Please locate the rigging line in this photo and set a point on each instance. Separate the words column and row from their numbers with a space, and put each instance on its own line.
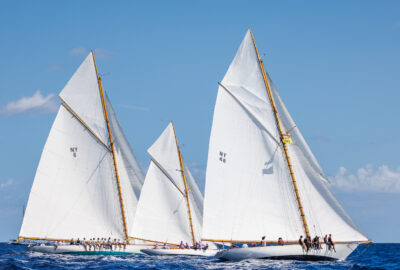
column 248, row 111
column 290, row 122
column 121, row 202
column 74, row 114
column 281, row 137
column 185, row 184
column 166, row 174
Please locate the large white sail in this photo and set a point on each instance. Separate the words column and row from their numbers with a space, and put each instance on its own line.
column 74, row 193
column 249, row 191
column 162, row 212
column 323, row 213
column 246, row 171
column 81, row 93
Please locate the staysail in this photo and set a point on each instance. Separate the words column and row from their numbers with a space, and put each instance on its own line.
column 163, row 210
column 249, row 189
column 323, row 212
column 75, row 192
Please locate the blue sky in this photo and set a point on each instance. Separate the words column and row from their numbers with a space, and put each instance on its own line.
column 336, row 65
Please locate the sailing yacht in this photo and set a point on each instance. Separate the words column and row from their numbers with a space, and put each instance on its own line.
column 262, row 178
column 88, row 181
column 170, row 207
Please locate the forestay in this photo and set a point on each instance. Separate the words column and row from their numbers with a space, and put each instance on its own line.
column 74, row 193
column 162, row 213
column 249, row 192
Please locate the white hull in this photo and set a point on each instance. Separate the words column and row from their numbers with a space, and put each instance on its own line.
column 294, row 252
column 80, row 250
column 180, row 252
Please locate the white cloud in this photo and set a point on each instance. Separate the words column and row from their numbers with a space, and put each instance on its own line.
column 8, row 183
column 78, row 51
column 34, row 104
column 104, row 54
column 55, row 67
column 382, row 179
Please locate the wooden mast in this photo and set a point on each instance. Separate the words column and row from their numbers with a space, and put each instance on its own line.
column 186, row 190
column 121, row 202
column 303, row 218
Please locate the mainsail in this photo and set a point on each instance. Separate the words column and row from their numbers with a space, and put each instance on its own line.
column 250, row 191
column 164, row 213
column 75, row 192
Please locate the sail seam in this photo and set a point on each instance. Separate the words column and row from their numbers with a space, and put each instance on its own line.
column 74, row 114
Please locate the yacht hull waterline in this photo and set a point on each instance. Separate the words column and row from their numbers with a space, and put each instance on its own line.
column 81, row 250
column 288, row 252
column 180, row 252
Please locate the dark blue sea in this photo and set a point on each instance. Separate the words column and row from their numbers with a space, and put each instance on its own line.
column 373, row 256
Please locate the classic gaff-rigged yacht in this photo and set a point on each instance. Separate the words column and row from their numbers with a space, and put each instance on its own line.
column 170, row 206
column 88, row 181
column 262, row 178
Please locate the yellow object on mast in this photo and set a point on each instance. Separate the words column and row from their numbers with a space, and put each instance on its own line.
column 282, row 138
column 112, row 149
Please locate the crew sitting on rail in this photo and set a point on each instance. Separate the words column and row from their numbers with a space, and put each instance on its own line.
column 124, row 243
column 316, row 243
column 307, row 243
column 205, row 247
column 181, row 245
column 187, row 246
column 301, row 242
column 233, row 246
column 263, row 241
column 330, row 243
column 280, row 241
